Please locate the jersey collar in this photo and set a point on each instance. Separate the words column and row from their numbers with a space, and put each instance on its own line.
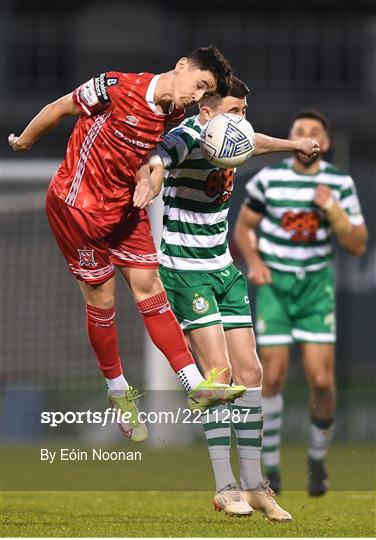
column 150, row 97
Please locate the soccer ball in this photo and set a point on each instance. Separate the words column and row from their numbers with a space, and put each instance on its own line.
column 227, row 140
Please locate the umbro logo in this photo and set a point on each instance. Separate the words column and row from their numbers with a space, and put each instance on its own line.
column 132, row 120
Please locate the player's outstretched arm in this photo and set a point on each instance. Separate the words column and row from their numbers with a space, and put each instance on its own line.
column 267, row 145
column 353, row 238
column 44, row 121
column 246, row 240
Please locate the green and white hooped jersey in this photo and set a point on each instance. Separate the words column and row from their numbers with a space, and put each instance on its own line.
column 294, row 234
column 197, row 198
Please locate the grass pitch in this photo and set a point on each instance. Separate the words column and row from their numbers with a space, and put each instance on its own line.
column 178, row 506
column 185, row 514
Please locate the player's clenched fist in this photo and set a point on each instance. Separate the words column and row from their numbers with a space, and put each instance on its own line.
column 16, row 144
column 323, row 195
column 259, row 274
column 307, row 146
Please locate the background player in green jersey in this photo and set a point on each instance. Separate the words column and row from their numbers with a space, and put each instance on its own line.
column 210, row 299
column 298, row 204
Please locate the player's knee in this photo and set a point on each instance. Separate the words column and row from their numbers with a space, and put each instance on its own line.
column 274, row 372
column 322, row 381
column 272, row 383
column 147, row 285
column 100, row 297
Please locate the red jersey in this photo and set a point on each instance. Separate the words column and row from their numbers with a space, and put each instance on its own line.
column 119, row 124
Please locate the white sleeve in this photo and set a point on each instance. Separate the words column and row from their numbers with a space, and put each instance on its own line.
column 255, row 187
column 349, row 201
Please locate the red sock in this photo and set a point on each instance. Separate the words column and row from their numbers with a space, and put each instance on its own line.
column 101, row 330
column 165, row 331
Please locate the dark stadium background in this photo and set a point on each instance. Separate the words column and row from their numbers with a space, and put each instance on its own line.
column 290, row 57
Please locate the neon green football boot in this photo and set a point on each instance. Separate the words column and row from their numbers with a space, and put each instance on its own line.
column 132, row 429
column 209, row 393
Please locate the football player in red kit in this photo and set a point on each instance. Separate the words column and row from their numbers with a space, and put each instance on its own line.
column 96, row 209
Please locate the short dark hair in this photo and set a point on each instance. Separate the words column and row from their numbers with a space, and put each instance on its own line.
column 238, row 89
column 211, row 59
column 311, row 113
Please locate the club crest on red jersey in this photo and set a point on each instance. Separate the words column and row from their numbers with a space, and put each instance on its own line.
column 87, row 257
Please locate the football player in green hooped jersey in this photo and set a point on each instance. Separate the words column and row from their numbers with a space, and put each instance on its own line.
column 210, row 299
column 298, row 205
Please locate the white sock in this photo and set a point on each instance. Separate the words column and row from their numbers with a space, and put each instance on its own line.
column 319, row 439
column 218, row 436
column 117, row 385
column 190, row 376
column 273, row 410
column 223, row 474
column 249, row 436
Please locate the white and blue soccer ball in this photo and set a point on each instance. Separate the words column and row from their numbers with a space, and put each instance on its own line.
column 227, row 140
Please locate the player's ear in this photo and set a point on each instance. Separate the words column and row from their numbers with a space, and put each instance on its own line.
column 180, row 64
column 206, row 112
